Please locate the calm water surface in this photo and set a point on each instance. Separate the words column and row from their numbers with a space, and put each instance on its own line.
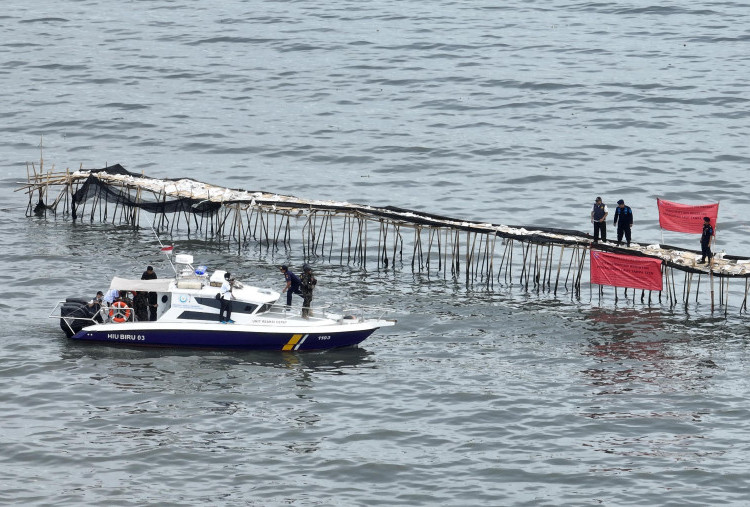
column 517, row 113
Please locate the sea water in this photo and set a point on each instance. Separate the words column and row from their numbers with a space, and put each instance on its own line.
column 517, row 113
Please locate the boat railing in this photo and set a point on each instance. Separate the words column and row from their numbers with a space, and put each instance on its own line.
column 333, row 311
column 105, row 313
column 68, row 319
column 365, row 312
column 317, row 312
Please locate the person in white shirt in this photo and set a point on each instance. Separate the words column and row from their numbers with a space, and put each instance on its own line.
column 110, row 296
column 226, row 300
column 96, row 306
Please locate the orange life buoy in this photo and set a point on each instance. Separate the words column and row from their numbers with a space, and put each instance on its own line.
column 119, row 311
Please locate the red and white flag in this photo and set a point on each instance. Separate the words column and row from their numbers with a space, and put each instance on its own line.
column 619, row 270
column 167, row 249
column 677, row 217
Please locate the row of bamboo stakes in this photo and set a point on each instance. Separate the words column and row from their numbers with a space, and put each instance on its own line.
column 475, row 257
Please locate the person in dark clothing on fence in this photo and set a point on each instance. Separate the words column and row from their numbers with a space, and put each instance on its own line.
column 292, row 284
column 623, row 221
column 150, row 274
column 708, row 233
column 307, row 282
column 599, row 218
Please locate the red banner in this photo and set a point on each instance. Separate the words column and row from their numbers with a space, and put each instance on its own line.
column 674, row 216
column 619, row 270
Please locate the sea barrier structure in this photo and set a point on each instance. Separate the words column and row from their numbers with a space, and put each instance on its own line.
column 544, row 260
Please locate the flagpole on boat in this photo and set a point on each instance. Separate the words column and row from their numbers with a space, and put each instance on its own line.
column 166, row 250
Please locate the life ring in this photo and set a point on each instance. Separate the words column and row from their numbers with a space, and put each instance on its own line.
column 119, row 312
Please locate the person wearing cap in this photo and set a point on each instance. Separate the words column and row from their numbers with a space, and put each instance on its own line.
column 95, row 306
column 599, row 218
column 307, row 282
column 623, row 221
column 708, row 233
column 226, row 300
column 97, row 300
column 292, row 284
column 150, row 274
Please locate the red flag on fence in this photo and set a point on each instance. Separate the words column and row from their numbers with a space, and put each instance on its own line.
column 621, row 270
column 674, row 216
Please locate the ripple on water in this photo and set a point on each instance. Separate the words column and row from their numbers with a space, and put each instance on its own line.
column 513, row 114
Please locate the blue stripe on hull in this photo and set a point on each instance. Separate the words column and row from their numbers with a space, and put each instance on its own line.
column 227, row 340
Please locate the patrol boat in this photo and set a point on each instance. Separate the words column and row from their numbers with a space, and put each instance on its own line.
column 188, row 316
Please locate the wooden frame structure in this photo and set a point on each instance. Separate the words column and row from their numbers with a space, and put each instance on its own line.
column 541, row 260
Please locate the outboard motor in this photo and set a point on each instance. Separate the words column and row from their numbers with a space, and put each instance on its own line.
column 77, row 315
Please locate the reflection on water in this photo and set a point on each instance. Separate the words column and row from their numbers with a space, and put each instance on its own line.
column 633, row 348
column 336, row 361
column 494, row 398
column 638, row 358
column 219, row 402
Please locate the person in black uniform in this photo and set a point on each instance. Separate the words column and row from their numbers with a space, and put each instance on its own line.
column 307, row 283
column 140, row 305
column 150, row 274
column 708, row 232
column 623, row 221
column 292, row 284
column 599, row 218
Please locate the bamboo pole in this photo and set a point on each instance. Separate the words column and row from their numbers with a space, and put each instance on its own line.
column 711, row 278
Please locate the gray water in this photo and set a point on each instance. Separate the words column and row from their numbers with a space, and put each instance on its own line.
column 513, row 112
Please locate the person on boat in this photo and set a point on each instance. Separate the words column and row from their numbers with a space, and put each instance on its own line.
column 623, row 221
column 708, row 232
column 292, row 284
column 599, row 218
column 150, row 274
column 307, row 283
column 95, row 306
column 125, row 298
column 111, row 296
column 140, row 305
column 226, row 300
column 97, row 301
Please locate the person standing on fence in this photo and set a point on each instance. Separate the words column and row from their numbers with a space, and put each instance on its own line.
column 307, row 283
column 292, row 284
column 623, row 221
column 708, row 233
column 599, row 218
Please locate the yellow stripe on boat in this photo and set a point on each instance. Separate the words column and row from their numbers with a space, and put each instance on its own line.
column 292, row 342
